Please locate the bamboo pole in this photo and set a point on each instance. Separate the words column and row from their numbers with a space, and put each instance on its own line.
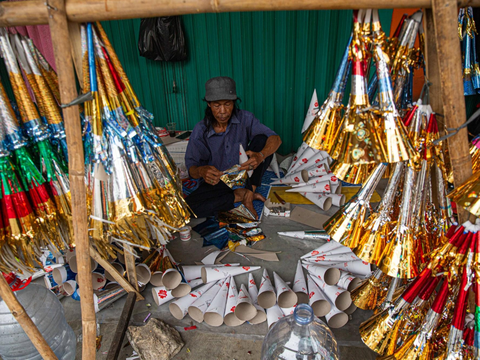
column 63, row 59
column 33, row 12
column 19, row 313
column 450, row 68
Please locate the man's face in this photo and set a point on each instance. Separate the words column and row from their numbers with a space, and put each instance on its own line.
column 222, row 110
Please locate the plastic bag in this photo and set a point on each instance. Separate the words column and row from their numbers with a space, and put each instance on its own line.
column 162, row 39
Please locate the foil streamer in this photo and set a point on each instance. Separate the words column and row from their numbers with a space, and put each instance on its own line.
column 234, row 178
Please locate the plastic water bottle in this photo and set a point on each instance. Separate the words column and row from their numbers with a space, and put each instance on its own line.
column 48, row 315
column 300, row 336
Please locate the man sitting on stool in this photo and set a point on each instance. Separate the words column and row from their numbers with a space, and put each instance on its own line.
column 214, row 147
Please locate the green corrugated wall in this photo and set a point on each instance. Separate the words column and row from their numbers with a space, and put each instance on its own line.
column 276, row 59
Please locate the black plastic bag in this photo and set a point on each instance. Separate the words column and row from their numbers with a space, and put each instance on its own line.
column 162, row 39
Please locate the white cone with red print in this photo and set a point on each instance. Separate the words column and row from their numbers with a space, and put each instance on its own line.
column 195, row 282
column 179, row 307
column 198, row 308
column 336, row 188
column 274, row 314
column 229, row 317
column 337, row 199
column 300, row 150
column 336, row 318
column 348, row 281
column 321, row 200
column 345, row 257
column 288, row 311
column 253, row 292
column 339, row 297
column 244, row 158
column 293, row 178
column 329, row 275
column 161, row 295
column 325, row 176
column 319, row 256
column 317, row 299
column 324, row 248
column 300, row 285
column 320, row 187
column 216, row 310
column 195, row 271
column 359, row 267
column 245, row 310
column 216, row 273
column 315, row 160
column 286, row 298
column 311, row 112
column 303, row 159
column 266, row 293
column 317, row 170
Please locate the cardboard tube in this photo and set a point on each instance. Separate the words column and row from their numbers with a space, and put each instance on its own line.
column 216, row 273
column 300, row 285
column 266, row 293
column 303, row 159
column 156, row 279
column 293, row 178
column 345, row 257
column 102, row 299
column 321, row 177
column 358, row 267
column 119, row 267
column 68, row 254
column 329, row 275
column 351, row 309
column 98, row 281
column 328, row 246
column 62, row 274
column 322, row 201
column 337, row 251
column 336, row 318
column 195, row 283
column 348, row 281
column 337, row 199
column 73, row 264
column 339, row 297
column 69, row 287
column 320, row 187
column 229, row 317
column 171, row 278
column 183, row 288
column 317, row 299
column 286, row 298
column 161, row 295
column 253, row 292
column 121, row 258
column 244, row 309
column 316, row 171
column 215, row 312
column 336, row 189
column 179, row 307
column 288, row 311
column 200, row 306
column 143, row 274
column 274, row 314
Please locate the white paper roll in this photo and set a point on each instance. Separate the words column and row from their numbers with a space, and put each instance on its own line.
column 161, row 295
column 195, row 271
column 337, row 251
column 345, row 257
column 358, row 267
column 317, row 171
column 293, row 178
column 195, row 282
column 286, row 298
column 98, row 281
column 303, row 159
column 68, row 254
column 339, row 297
column 317, row 299
column 143, row 274
column 244, row 158
column 274, row 314
column 316, row 179
column 336, row 318
column 320, row 187
column 348, row 281
column 245, row 310
column 216, row 273
column 179, row 307
column 300, row 285
column 311, row 112
column 253, row 292
column 266, row 293
column 69, row 287
column 288, row 311
column 322, row 201
column 328, row 246
column 337, row 199
column 317, row 159
column 120, row 269
column 216, row 310
column 229, row 318
column 329, row 275
column 198, row 308
column 336, row 188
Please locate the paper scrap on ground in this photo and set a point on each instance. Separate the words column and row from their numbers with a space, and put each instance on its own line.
column 210, row 258
column 260, row 254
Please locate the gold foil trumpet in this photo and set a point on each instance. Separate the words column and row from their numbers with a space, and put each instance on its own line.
column 468, row 194
column 371, row 292
column 344, row 226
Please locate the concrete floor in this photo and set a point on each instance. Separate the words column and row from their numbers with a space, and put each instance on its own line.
column 242, row 342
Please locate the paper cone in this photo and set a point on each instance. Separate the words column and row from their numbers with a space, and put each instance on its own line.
column 339, row 251
column 309, row 234
column 321, row 200
column 288, row 311
column 253, row 292
column 286, row 163
column 195, row 271
column 286, row 298
column 244, row 158
column 171, row 277
column 179, row 307
column 198, row 308
column 317, row 299
column 183, row 288
column 337, row 199
column 216, row 310
column 336, row 318
column 143, row 274
column 352, row 308
column 274, row 165
column 337, row 296
column 311, row 112
column 320, row 187
column 62, row 274
column 195, row 282
column 244, row 309
column 300, row 285
column 266, row 293
column 316, row 171
column 229, row 318
column 300, row 150
column 274, row 314
column 156, row 279
column 336, row 188
column 357, row 267
column 293, row 178
column 348, row 281
column 303, row 159
column 98, row 281
column 69, row 287
column 68, row 254
column 324, row 248
column 73, row 264
column 326, row 176
column 329, row 275
column 345, row 257
column 216, row 273
column 315, row 160
column 119, row 268
column 161, row 295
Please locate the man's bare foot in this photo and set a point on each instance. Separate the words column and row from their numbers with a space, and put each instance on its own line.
column 257, row 196
column 247, row 201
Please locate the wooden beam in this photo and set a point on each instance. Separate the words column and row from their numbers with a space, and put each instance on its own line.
column 112, row 271
column 18, row 312
column 122, row 326
column 59, row 31
column 130, row 266
column 449, row 57
column 33, row 12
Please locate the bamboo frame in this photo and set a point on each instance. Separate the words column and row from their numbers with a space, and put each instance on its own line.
column 57, row 12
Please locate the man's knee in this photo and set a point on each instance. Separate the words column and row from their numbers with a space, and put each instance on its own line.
column 257, row 143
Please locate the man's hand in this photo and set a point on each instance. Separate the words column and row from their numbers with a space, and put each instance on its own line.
column 252, row 163
column 210, row 174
